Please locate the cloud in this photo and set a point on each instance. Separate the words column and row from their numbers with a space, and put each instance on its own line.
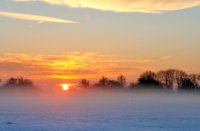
column 147, row 6
column 74, row 65
column 37, row 18
column 151, row 60
column 70, row 65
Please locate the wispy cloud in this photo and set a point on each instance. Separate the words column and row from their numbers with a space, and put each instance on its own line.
column 148, row 6
column 150, row 60
column 70, row 65
column 73, row 65
column 37, row 18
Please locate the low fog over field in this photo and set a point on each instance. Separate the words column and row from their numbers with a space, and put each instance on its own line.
column 100, row 111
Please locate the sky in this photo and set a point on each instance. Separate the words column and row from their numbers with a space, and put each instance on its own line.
column 52, row 41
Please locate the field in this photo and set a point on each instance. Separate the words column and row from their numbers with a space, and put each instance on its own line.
column 100, row 111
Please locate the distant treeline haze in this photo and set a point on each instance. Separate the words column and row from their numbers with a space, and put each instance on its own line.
column 165, row 79
column 18, row 83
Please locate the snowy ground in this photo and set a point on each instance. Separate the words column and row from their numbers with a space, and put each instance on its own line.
column 111, row 111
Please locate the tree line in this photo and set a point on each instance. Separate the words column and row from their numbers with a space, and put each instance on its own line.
column 164, row 79
column 18, row 83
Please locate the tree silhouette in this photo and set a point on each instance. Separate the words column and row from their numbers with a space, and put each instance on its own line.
column 171, row 77
column 166, row 78
column 194, row 79
column 187, row 83
column 84, row 83
column 148, row 78
column 18, row 82
column 122, row 80
column 114, row 84
column 198, row 80
column 103, row 82
column 198, row 76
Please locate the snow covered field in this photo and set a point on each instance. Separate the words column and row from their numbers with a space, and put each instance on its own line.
column 110, row 111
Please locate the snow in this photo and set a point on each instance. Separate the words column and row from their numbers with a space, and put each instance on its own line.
column 110, row 111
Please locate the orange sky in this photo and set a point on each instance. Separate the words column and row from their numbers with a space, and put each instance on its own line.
column 73, row 66
column 65, row 40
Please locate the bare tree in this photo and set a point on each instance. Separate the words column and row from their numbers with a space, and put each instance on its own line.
column 180, row 76
column 187, row 83
column 19, row 82
column 148, row 78
column 114, row 84
column 122, row 80
column 84, row 83
column 198, row 76
column 103, row 82
column 108, row 83
column 171, row 77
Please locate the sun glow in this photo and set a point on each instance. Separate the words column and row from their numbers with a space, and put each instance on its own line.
column 65, row 87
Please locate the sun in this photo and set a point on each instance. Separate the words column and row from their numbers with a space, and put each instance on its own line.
column 65, row 87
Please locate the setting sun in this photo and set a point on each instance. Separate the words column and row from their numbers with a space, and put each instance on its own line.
column 65, row 87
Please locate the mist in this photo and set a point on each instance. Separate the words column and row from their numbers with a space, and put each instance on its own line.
column 100, row 110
